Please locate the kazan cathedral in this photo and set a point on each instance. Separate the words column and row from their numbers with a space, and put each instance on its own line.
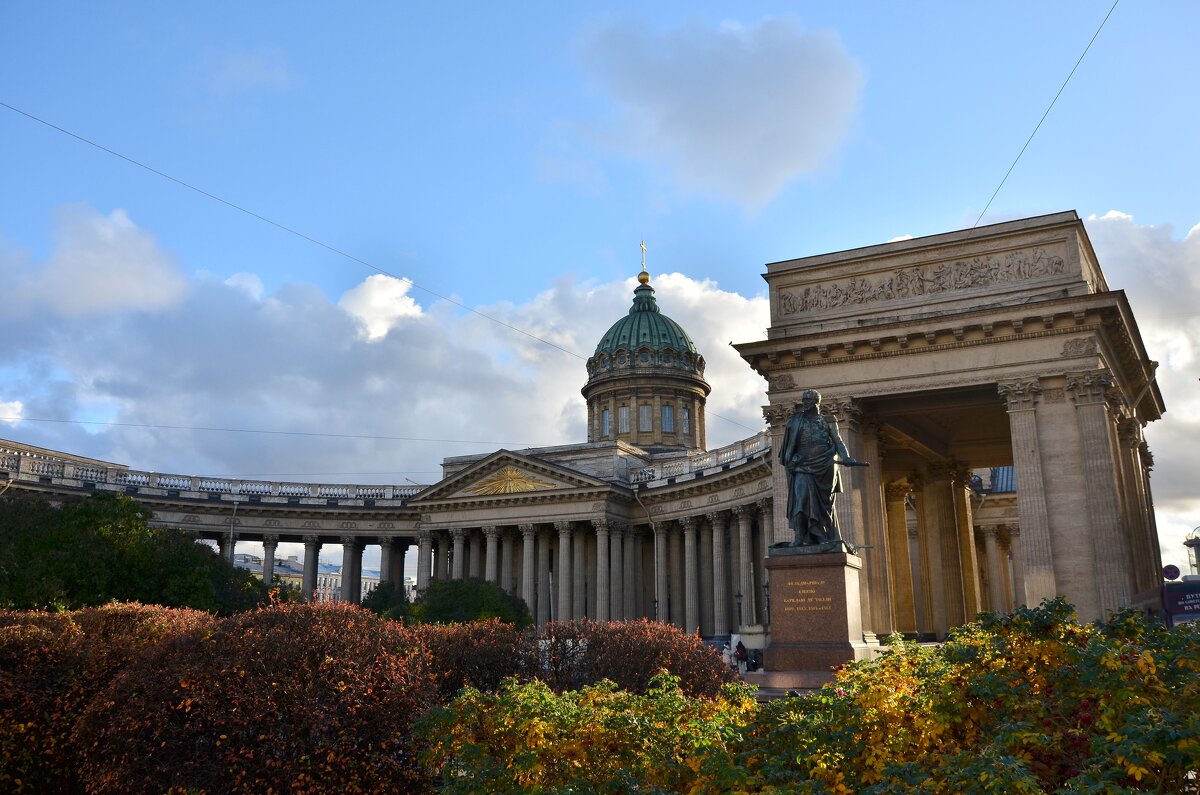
column 992, row 379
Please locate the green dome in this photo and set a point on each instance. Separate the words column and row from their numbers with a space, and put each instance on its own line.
column 645, row 327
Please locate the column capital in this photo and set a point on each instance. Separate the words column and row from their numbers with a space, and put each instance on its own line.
column 739, row 510
column 688, row 523
column 763, row 504
column 600, row 524
column 776, row 415
column 527, row 529
column 1091, row 387
column 714, row 517
column 270, row 538
column 617, row 526
column 491, row 531
column 1020, row 395
column 845, row 410
column 311, row 539
column 897, row 490
column 350, row 541
column 458, row 533
column 1129, row 430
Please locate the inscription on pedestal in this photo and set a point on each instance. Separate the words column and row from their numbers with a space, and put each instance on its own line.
column 805, row 596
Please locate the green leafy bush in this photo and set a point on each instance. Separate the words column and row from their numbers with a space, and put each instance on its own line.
column 101, row 549
column 456, row 601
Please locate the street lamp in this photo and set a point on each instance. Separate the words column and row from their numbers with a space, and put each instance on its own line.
column 766, row 603
column 737, row 597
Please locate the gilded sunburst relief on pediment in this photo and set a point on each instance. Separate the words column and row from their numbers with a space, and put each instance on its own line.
column 509, row 480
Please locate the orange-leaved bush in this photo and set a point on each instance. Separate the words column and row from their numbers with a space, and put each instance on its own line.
column 52, row 665
column 295, row 697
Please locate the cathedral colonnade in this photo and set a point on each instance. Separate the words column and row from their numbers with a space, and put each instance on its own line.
column 700, row 572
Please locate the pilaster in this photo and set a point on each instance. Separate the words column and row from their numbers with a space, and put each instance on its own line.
column 1037, row 553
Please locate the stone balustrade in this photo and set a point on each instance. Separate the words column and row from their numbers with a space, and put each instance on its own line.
column 31, row 464
column 698, row 462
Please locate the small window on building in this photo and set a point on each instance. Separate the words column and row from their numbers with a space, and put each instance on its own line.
column 685, row 420
column 623, row 419
column 606, row 422
column 668, row 419
column 645, row 417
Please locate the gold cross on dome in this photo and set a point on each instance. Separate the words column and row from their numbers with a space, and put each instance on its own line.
column 643, row 255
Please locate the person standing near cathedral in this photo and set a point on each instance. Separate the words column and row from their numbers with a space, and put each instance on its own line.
column 812, row 448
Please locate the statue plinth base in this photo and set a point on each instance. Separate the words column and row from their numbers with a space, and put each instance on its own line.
column 816, row 618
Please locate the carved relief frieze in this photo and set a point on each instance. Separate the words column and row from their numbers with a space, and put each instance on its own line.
column 713, row 499
column 272, row 523
column 923, row 280
column 191, row 518
column 739, row 492
column 1084, row 346
column 1053, row 394
column 781, row 382
column 509, row 480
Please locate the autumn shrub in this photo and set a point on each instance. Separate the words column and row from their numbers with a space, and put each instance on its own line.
column 599, row 739
column 479, row 654
column 289, row 698
column 1027, row 702
column 630, row 654
column 52, row 665
column 460, row 600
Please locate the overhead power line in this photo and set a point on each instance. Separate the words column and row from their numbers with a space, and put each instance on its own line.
column 316, row 242
column 270, row 433
column 285, row 228
column 1047, row 113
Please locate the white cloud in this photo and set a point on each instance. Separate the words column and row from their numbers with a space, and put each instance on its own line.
column 236, row 72
column 379, row 303
column 248, row 282
column 11, row 411
column 1161, row 275
column 101, row 265
column 900, row 238
column 735, row 111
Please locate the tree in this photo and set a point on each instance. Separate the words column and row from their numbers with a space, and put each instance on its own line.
column 449, row 601
column 388, row 600
column 101, row 549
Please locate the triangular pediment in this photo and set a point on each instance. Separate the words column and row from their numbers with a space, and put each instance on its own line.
column 506, row 474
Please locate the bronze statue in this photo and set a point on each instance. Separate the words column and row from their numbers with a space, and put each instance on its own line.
column 812, row 448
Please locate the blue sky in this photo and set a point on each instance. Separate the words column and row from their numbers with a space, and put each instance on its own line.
column 512, row 158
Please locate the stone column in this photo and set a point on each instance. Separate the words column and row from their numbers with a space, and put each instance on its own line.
column 965, row 522
column 746, row 587
column 776, row 417
column 562, row 571
column 475, row 556
column 579, row 575
column 1110, row 570
column 399, row 550
column 270, row 544
column 603, row 572
column 616, row 578
column 1014, row 551
column 312, row 551
column 458, row 553
column 385, row 559
column 543, row 578
column 661, row 589
column 528, row 578
column 678, row 606
column 441, row 556
column 929, row 559
column 761, row 551
column 691, row 587
column 424, row 557
column 1037, row 556
column 491, row 569
column 720, row 578
column 995, row 568
column 352, row 550
column 602, row 586
column 899, row 564
column 704, row 553
column 506, row 560
column 942, row 524
column 629, row 587
column 1129, row 437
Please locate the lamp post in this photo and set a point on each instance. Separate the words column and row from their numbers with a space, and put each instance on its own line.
column 766, row 603
column 737, row 597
